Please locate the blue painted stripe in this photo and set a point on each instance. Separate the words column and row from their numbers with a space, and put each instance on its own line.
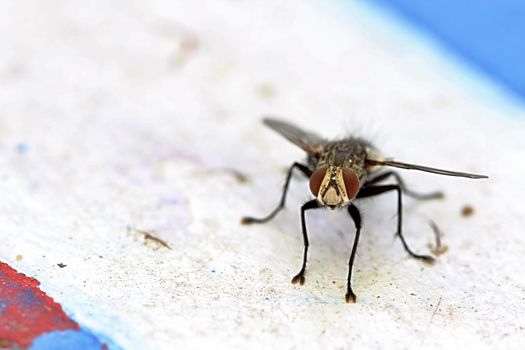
column 488, row 34
column 70, row 340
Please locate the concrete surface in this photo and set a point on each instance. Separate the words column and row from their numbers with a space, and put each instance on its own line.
column 119, row 118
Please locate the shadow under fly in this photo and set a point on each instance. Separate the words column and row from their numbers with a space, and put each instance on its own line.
column 339, row 172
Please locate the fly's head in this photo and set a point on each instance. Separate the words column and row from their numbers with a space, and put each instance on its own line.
column 334, row 186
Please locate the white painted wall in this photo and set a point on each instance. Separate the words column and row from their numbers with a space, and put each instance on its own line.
column 123, row 115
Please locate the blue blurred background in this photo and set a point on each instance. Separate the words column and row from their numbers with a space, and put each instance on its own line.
column 487, row 34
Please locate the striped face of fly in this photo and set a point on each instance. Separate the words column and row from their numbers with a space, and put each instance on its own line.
column 334, row 186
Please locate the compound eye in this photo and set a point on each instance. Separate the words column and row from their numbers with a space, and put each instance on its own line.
column 351, row 183
column 316, row 179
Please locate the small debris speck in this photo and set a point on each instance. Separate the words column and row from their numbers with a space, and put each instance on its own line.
column 240, row 177
column 266, row 91
column 148, row 237
column 61, row 265
column 19, row 257
column 467, row 211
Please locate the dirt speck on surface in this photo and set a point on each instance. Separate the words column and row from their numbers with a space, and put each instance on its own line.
column 467, row 211
column 149, row 238
column 266, row 91
column 239, row 176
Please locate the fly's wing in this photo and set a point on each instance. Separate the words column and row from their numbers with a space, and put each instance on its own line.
column 309, row 142
column 393, row 163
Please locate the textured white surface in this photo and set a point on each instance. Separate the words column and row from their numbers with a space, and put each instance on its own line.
column 134, row 115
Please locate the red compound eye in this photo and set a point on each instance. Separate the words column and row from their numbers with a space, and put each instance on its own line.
column 351, row 183
column 316, row 179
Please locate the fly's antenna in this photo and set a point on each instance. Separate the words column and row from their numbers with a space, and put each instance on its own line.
column 409, row 166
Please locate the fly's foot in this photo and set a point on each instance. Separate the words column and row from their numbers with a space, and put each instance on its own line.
column 299, row 278
column 350, row 297
column 247, row 220
column 427, row 259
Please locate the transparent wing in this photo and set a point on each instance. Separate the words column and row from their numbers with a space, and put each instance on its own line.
column 401, row 165
column 309, row 142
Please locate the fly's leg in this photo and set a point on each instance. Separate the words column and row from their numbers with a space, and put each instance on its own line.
column 376, row 190
column 356, row 216
column 422, row 196
column 438, row 249
column 299, row 278
column 250, row 220
column 416, row 195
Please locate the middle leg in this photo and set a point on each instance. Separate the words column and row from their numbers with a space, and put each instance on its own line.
column 376, row 190
column 401, row 183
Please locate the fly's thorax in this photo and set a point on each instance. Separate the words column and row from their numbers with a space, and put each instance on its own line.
column 350, row 153
column 334, row 186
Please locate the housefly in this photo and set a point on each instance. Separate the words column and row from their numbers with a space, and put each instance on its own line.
column 341, row 171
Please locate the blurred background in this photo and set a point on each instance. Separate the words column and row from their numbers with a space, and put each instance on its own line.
column 131, row 145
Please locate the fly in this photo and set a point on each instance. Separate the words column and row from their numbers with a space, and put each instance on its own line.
column 340, row 172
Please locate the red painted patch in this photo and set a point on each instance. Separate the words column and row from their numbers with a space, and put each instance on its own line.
column 25, row 311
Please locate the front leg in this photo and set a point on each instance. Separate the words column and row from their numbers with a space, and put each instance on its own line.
column 356, row 216
column 250, row 220
column 299, row 278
